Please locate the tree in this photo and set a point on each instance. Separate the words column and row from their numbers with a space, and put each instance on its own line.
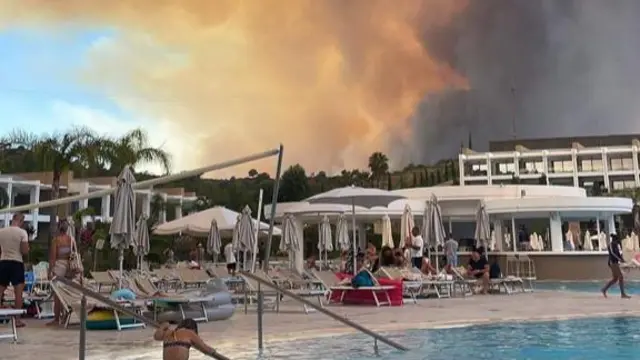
column 4, row 198
column 133, row 149
column 415, row 179
column 57, row 153
column 294, row 184
column 156, row 208
column 253, row 173
column 438, row 177
column 379, row 166
column 389, row 182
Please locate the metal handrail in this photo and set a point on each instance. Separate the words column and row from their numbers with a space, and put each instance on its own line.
column 92, row 294
column 343, row 320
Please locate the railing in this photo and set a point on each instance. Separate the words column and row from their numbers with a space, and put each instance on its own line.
column 376, row 337
column 83, row 315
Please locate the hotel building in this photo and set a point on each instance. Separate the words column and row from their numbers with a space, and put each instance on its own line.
column 608, row 163
column 27, row 188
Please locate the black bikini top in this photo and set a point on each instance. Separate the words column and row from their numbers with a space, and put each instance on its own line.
column 176, row 343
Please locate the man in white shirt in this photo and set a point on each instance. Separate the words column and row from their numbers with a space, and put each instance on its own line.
column 417, row 245
column 230, row 259
column 14, row 244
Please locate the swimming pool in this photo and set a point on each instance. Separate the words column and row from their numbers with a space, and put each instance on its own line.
column 584, row 339
column 632, row 287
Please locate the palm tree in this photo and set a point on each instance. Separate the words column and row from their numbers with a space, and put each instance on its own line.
column 379, row 166
column 58, row 153
column 133, row 149
column 157, row 207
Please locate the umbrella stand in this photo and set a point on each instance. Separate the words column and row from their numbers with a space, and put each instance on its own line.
column 353, row 241
column 255, row 244
column 121, row 266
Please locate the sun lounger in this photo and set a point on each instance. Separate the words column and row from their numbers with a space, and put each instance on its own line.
column 440, row 286
column 192, row 277
column 71, row 298
column 103, row 278
column 411, row 288
column 294, row 279
column 10, row 315
column 318, row 294
column 41, row 277
column 167, row 278
column 331, row 284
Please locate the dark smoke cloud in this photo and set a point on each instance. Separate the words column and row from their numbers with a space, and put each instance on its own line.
column 573, row 65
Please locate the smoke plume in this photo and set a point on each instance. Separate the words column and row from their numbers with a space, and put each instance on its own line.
column 333, row 80
column 536, row 68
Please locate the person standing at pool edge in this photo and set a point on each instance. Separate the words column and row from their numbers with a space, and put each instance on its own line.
column 14, row 244
column 615, row 259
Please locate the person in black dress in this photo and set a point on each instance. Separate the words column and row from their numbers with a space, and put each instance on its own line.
column 615, row 259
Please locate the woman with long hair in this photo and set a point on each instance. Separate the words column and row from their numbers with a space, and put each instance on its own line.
column 59, row 263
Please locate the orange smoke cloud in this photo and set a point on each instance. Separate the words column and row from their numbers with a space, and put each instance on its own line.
column 332, row 80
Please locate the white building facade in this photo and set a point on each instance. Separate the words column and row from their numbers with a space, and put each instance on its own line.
column 614, row 168
column 23, row 192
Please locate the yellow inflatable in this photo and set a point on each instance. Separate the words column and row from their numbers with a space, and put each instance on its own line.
column 105, row 320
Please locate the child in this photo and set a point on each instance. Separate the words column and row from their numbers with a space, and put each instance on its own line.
column 177, row 343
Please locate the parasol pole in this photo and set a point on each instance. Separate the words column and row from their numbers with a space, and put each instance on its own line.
column 255, row 243
column 353, row 241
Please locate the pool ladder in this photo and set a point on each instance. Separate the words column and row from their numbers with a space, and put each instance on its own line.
column 376, row 337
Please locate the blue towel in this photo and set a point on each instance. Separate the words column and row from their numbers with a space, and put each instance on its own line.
column 123, row 294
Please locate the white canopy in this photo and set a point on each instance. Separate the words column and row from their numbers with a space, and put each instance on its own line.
column 199, row 224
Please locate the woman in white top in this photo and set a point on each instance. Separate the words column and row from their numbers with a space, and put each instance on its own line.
column 230, row 259
column 417, row 244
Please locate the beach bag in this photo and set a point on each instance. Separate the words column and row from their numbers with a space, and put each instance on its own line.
column 363, row 279
column 75, row 260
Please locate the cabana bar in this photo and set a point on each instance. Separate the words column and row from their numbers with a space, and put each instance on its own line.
column 564, row 232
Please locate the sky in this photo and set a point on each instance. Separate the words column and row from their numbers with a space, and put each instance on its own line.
column 332, row 80
column 36, row 93
column 213, row 80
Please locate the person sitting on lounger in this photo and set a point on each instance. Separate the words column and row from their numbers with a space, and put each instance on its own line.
column 479, row 269
column 426, row 267
column 387, row 257
column 176, row 343
column 312, row 264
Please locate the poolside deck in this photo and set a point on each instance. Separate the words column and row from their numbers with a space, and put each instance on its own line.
column 292, row 323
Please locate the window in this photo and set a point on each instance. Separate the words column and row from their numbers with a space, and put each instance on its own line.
column 505, row 168
column 562, row 166
column 591, row 165
column 531, row 167
column 617, row 164
column 476, row 169
column 623, row 184
column 596, row 164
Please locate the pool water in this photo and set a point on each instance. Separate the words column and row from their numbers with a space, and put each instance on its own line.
column 583, row 339
column 632, row 287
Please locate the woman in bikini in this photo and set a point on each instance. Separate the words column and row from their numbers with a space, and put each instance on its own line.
column 59, row 254
column 176, row 343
